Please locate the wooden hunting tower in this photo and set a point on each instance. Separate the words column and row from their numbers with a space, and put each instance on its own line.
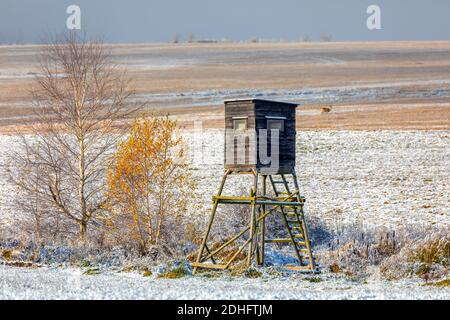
column 257, row 120
column 260, row 137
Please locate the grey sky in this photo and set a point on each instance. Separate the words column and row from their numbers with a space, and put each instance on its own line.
column 157, row 20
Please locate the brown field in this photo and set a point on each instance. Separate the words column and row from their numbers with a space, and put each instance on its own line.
column 367, row 86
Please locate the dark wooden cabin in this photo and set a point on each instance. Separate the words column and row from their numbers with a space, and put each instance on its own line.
column 243, row 121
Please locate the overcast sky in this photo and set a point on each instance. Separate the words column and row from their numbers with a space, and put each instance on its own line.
column 27, row 21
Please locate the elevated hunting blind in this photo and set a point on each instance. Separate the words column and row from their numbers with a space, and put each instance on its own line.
column 260, row 139
column 254, row 120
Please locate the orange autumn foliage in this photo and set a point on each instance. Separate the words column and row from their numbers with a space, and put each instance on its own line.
column 149, row 184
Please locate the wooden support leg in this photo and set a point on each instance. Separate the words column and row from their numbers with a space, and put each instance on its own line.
column 211, row 220
column 263, row 223
column 252, row 220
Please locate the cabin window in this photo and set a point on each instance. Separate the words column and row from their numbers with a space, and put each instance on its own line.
column 240, row 124
column 275, row 124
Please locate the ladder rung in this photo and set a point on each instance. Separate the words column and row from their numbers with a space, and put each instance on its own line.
column 306, row 268
column 298, row 236
column 288, row 240
column 209, row 265
column 278, row 240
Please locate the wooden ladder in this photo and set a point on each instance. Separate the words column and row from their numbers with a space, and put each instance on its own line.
column 295, row 223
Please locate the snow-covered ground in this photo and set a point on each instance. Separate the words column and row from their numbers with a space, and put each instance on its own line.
column 376, row 179
column 45, row 283
column 373, row 179
column 381, row 179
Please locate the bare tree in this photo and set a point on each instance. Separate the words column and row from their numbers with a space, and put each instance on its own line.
column 175, row 38
column 326, row 37
column 306, row 38
column 81, row 99
column 191, row 37
column 36, row 221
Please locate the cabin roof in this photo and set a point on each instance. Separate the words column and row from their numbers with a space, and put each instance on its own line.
column 253, row 100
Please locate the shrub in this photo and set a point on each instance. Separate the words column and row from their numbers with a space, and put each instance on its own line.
column 149, row 186
column 435, row 250
column 313, row 279
column 252, row 273
column 442, row 283
column 334, row 268
column 92, row 271
column 427, row 258
column 146, row 272
column 179, row 271
column 7, row 255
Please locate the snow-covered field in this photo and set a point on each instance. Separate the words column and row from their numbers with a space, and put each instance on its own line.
column 71, row 284
column 373, row 179
column 381, row 179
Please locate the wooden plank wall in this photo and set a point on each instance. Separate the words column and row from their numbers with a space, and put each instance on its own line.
column 256, row 113
column 240, row 109
column 287, row 137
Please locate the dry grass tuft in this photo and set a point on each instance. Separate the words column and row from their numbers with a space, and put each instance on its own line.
column 427, row 258
column 7, row 255
column 434, row 250
column 146, row 272
column 442, row 283
column 334, row 268
column 175, row 273
column 253, row 273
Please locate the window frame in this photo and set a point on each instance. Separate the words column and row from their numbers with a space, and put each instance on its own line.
column 282, row 120
column 243, row 119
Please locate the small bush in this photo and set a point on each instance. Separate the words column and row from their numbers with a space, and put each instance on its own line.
column 127, row 269
column 252, row 273
column 146, row 272
column 92, row 271
column 7, row 255
column 313, row 279
column 432, row 251
column 442, row 283
column 85, row 264
column 175, row 273
column 334, row 268
column 427, row 258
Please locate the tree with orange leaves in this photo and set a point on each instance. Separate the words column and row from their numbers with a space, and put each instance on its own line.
column 149, row 184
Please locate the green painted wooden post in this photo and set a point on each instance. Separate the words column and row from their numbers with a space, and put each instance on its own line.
column 211, row 220
column 263, row 221
column 252, row 220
